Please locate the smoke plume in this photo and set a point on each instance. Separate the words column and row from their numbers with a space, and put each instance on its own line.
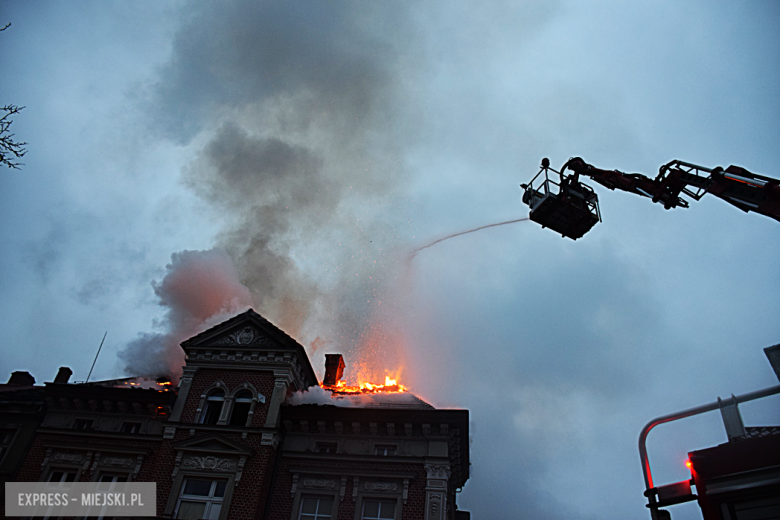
column 200, row 289
column 300, row 136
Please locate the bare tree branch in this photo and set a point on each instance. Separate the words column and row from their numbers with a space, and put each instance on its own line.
column 10, row 150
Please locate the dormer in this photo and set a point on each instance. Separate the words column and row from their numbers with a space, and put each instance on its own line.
column 244, row 362
column 250, row 342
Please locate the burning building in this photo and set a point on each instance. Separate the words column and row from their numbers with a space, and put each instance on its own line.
column 249, row 433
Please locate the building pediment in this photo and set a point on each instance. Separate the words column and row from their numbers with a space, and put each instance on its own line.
column 250, row 341
column 246, row 336
column 210, row 454
column 213, row 443
column 247, row 331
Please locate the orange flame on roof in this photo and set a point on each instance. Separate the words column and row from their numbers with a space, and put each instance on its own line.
column 364, row 387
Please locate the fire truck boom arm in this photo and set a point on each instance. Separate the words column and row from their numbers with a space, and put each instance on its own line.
column 736, row 185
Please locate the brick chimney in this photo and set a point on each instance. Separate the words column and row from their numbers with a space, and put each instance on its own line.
column 334, row 369
column 63, row 375
column 21, row 378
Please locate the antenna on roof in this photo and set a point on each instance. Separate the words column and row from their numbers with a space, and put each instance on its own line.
column 96, row 355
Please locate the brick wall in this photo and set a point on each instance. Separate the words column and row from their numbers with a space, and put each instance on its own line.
column 282, row 501
column 263, row 381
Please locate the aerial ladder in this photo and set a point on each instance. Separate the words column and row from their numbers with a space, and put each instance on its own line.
column 570, row 207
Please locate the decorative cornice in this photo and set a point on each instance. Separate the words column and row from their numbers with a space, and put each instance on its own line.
column 113, row 448
column 437, row 471
column 294, row 484
column 269, row 439
column 381, row 486
column 244, row 337
column 241, row 464
column 319, row 483
column 209, row 463
column 124, row 462
column 93, row 407
column 67, row 457
column 139, row 461
column 303, row 469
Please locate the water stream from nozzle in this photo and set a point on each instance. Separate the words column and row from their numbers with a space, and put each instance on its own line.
column 414, row 253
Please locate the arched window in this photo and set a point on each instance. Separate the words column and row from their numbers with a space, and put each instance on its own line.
column 213, row 407
column 241, row 406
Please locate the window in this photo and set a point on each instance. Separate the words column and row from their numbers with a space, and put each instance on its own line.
column 315, row 508
column 241, row 407
column 384, row 450
column 6, row 436
column 82, row 424
column 213, row 407
column 58, row 477
column 326, row 447
column 113, row 478
column 378, row 510
column 131, row 427
column 201, row 499
column 62, row 475
column 108, row 483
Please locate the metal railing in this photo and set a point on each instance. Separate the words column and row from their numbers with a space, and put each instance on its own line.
column 719, row 404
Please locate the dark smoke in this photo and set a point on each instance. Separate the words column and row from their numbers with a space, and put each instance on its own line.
column 297, row 107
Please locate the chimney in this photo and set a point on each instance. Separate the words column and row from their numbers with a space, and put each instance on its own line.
column 773, row 354
column 21, row 379
column 334, row 369
column 63, row 375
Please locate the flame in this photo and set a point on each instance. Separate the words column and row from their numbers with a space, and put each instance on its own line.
column 364, row 387
column 380, row 344
column 147, row 384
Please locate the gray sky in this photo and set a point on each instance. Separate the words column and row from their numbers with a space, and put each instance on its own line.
column 188, row 160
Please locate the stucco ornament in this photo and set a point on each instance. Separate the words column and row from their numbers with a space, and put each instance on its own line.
column 209, row 463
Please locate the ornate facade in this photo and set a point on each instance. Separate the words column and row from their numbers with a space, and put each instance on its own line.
column 226, row 444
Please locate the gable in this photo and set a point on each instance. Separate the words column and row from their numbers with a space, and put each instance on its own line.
column 244, row 336
column 212, row 443
column 249, row 341
column 248, row 330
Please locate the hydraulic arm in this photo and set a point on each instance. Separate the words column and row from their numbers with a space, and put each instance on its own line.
column 571, row 207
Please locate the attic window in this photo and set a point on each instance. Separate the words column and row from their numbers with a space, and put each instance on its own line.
column 384, row 450
column 326, row 447
column 82, row 424
column 213, row 407
column 131, row 427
